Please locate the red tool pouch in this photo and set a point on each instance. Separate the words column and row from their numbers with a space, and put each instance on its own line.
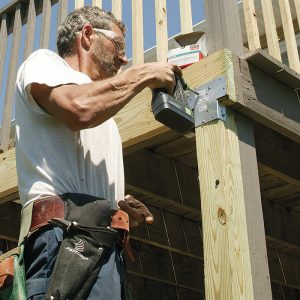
column 12, row 275
column 6, row 272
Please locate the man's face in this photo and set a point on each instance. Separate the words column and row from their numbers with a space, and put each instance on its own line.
column 106, row 54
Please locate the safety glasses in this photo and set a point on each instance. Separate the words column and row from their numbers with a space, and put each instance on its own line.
column 111, row 35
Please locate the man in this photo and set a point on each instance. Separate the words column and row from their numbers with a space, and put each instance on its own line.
column 68, row 146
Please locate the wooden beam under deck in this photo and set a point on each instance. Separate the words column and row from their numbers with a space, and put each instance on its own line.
column 271, row 94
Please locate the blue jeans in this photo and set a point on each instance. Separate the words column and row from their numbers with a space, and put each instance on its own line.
column 41, row 250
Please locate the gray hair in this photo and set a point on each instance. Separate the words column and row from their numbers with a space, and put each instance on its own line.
column 75, row 21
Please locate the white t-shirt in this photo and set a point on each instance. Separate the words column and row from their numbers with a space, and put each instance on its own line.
column 51, row 159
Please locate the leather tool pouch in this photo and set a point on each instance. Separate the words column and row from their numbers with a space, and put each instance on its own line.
column 83, row 249
column 12, row 275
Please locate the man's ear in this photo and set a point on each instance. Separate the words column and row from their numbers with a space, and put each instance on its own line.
column 86, row 33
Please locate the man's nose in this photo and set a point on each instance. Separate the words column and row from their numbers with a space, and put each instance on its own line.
column 123, row 59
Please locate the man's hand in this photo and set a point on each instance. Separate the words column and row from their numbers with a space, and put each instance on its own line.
column 136, row 210
column 164, row 76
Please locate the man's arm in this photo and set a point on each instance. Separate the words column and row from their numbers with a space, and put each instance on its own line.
column 88, row 105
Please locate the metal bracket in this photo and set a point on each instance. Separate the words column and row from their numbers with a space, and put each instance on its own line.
column 206, row 105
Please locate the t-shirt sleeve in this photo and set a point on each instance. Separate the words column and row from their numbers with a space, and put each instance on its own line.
column 46, row 67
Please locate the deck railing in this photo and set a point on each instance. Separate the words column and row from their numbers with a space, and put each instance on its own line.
column 266, row 22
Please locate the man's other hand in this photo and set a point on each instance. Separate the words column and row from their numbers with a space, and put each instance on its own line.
column 137, row 211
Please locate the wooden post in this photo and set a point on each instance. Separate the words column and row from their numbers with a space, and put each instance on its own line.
column 117, row 9
column 270, row 27
column 79, row 3
column 235, row 263
column 97, row 3
column 62, row 11
column 251, row 25
column 30, row 30
column 223, row 26
column 137, row 32
column 297, row 6
column 289, row 35
column 46, row 22
column 3, row 45
column 12, row 73
column 186, row 16
column 161, row 29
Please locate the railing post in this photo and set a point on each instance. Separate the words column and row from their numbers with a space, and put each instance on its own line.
column 289, row 35
column 46, row 22
column 223, row 28
column 79, row 3
column 62, row 11
column 30, row 30
column 270, row 27
column 9, row 96
column 97, row 3
column 235, row 256
column 161, row 29
column 251, row 25
column 137, row 32
column 297, row 6
column 186, row 16
column 117, row 8
column 3, row 44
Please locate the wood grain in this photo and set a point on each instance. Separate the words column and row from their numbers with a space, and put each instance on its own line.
column 79, row 3
column 223, row 26
column 3, row 45
column 137, row 32
column 161, row 29
column 227, row 269
column 297, row 6
column 251, row 25
column 270, row 27
column 30, row 29
column 46, row 23
column 289, row 35
column 97, row 3
column 12, row 74
column 117, row 8
column 186, row 22
column 62, row 11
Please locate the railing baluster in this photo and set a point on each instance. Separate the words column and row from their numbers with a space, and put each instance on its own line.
column 161, row 29
column 251, row 25
column 46, row 22
column 79, row 3
column 270, row 28
column 137, row 32
column 30, row 29
column 297, row 5
column 97, row 3
column 62, row 11
column 3, row 45
column 289, row 35
column 9, row 96
column 117, row 8
column 186, row 16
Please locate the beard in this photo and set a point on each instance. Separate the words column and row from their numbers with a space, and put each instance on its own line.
column 105, row 61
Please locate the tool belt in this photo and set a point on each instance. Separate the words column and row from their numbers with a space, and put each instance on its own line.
column 90, row 229
column 87, row 209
